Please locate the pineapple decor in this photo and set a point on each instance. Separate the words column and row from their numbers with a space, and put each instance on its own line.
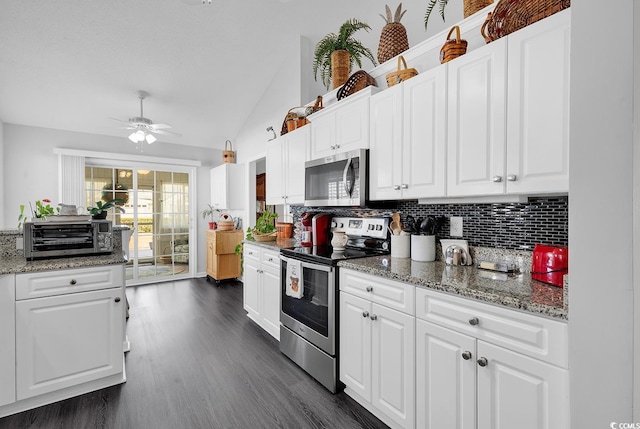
column 393, row 39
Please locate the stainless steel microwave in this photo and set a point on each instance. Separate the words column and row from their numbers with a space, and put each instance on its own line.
column 55, row 239
column 337, row 180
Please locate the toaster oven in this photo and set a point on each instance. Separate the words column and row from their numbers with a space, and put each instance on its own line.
column 56, row 239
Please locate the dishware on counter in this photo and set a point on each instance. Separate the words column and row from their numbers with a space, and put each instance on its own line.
column 400, row 246
column 339, row 240
column 423, row 248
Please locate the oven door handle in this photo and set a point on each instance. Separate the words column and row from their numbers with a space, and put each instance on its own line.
column 318, row 267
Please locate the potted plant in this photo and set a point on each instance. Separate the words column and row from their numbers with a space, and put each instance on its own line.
column 265, row 229
column 119, row 191
column 470, row 7
column 336, row 53
column 210, row 211
column 100, row 209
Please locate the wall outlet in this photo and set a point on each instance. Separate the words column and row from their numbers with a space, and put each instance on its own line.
column 455, row 223
column 19, row 243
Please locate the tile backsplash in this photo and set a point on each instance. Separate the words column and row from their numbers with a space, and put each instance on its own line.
column 517, row 226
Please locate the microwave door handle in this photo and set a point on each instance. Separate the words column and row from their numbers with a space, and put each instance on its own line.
column 348, row 184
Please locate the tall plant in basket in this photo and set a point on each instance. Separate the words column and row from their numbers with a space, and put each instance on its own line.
column 335, row 54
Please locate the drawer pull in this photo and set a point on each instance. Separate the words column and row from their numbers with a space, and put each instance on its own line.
column 374, row 317
column 482, row 362
column 473, row 321
column 466, row 355
column 117, row 299
column 365, row 314
column 72, row 282
column 369, row 288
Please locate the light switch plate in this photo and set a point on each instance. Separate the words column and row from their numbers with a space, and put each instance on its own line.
column 455, row 223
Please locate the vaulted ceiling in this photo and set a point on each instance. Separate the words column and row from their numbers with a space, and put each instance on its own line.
column 74, row 64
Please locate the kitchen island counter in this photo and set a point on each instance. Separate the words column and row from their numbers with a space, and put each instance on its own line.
column 18, row 264
column 513, row 291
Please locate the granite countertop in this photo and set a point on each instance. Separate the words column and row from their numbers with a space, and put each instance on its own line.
column 18, row 264
column 274, row 245
column 514, row 291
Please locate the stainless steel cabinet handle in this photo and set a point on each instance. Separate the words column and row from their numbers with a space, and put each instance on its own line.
column 396, row 187
column 404, row 186
column 117, row 299
column 365, row 314
column 369, row 288
column 512, row 177
column 466, row 355
column 72, row 282
column 374, row 317
column 482, row 362
column 474, row 321
column 496, row 179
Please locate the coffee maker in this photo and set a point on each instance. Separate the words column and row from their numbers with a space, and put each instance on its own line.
column 320, row 229
column 307, row 235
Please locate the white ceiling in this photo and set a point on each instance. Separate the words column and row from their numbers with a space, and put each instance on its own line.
column 74, row 64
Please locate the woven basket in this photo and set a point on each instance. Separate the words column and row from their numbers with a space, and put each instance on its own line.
column 228, row 155
column 340, row 66
column 357, row 81
column 295, row 120
column 512, row 15
column 472, row 6
column 265, row 237
column 453, row 48
column 225, row 225
column 284, row 230
column 393, row 41
column 403, row 73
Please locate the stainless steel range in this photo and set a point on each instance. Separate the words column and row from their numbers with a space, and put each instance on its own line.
column 309, row 322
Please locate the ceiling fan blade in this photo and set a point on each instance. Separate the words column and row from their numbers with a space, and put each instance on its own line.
column 120, row 120
column 160, row 126
column 164, row 132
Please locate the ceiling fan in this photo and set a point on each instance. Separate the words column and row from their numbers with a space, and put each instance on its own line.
column 144, row 128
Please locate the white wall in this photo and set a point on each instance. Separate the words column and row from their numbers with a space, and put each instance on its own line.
column 600, row 214
column 30, row 167
column 2, row 169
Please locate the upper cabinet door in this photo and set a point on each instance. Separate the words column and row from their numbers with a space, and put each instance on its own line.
column 227, row 186
column 323, row 135
column 424, row 135
column 538, row 100
column 274, row 172
column 352, row 125
column 476, row 121
column 296, row 144
column 385, row 154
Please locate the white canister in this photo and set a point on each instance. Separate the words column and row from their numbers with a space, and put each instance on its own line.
column 400, row 246
column 339, row 240
column 423, row 248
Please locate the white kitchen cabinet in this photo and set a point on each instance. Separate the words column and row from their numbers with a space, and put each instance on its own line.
column 227, row 183
column 342, row 127
column 286, row 156
column 73, row 331
column 7, row 340
column 481, row 366
column 377, row 356
column 538, row 107
column 476, row 121
column 523, row 149
column 408, row 146
column 261, row 291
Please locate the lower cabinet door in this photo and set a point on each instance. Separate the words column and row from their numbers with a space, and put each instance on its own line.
column 250, row 289
column 445, row 378
column 66, row 340
column 271, row 301
column 355, row 344
column 7, row 340
column 517, row 391
column 393, row 364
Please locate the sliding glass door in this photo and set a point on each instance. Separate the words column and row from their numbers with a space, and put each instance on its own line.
column 154, row 203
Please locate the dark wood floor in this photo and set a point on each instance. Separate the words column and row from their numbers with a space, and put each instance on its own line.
column 197, row 361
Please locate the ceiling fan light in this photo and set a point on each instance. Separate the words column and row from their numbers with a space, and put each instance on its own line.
column 133, row 137
column 150, row 138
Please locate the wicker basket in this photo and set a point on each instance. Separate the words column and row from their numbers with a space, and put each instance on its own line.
column 284, row 230
column 295, row 120
column 357, row 81
column 512, row 15
column 226, row 225
column 453, row 48
column 403, row 73
column 472, row 6
column 265, row 237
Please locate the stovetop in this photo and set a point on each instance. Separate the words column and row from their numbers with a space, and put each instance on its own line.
column 328, row 256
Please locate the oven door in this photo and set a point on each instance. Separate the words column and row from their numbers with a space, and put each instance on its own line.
column 311, row 316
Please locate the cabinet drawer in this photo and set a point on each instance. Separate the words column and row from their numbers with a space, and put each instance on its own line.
column 252, row 252
column 534, row 336
column 393, row 294
column 50, row 283
column 270, row 258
